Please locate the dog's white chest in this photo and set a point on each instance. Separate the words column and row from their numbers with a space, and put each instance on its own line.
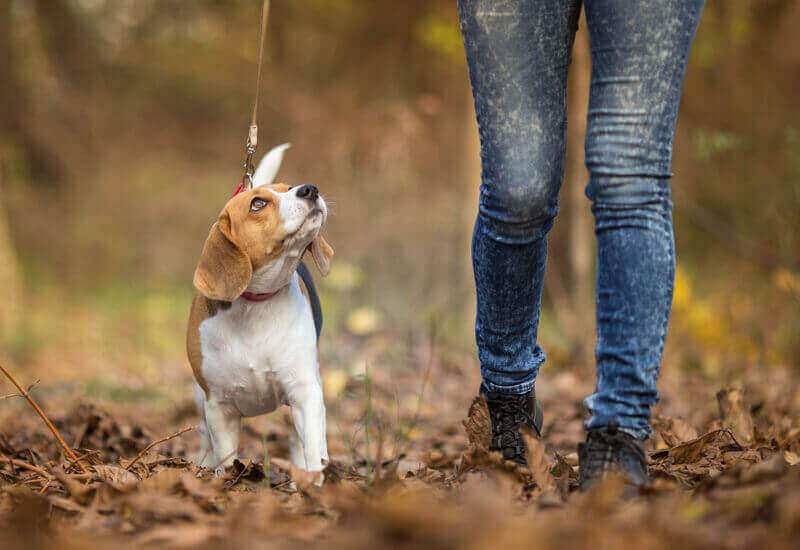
column 254, row 351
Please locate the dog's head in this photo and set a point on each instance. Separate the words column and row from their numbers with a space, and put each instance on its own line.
column 269, row 224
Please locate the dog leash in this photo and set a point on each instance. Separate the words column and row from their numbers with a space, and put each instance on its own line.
column 252, row 134
column 252, row 140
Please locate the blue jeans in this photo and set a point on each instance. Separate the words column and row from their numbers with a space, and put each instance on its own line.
column 518, row 53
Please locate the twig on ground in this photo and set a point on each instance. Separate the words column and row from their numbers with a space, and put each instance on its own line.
column 348, row 472
column 23, row 464
column 266, row 459
column 44, row 417
column 377, row 474
column 84, row 455
column 33, row 480
column 9, row 395
column 231, row 482
column 367, row 417
column 44, row 487
column 156, row 442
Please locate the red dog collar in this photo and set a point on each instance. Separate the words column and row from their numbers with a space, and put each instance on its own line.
column 259, row 297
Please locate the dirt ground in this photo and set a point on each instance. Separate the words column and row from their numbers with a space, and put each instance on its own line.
column 408, row 468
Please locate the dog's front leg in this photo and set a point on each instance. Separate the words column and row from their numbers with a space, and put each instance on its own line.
column 308, row 415
column 224, row 425
column 205, row 458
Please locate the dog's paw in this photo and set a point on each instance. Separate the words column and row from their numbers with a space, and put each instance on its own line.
column 306, row 479
column 204, row 461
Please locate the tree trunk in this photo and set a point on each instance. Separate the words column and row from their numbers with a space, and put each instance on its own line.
column 10, row 283
column 15, row 107
column 70, row 44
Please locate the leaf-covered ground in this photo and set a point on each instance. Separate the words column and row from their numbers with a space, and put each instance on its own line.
column 409, row 467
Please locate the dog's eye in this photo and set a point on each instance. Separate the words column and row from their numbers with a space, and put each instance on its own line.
column 257, row 204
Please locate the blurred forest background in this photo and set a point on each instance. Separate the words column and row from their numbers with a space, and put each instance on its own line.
column 122, row 129
column 121, row 136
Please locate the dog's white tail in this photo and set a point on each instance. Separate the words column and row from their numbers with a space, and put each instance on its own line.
column 269, row 165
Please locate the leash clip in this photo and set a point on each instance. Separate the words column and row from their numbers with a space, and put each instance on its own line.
column 250, row 149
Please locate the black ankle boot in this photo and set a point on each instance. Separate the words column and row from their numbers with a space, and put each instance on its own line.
column 608, row 450
column 507, row 412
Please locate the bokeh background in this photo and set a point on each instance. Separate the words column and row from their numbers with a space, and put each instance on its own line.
column 122, row 129
column 122, row 125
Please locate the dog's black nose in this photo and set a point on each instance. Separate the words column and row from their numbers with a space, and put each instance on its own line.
column 308, row 191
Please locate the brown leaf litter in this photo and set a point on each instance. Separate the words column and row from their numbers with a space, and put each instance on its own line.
column 731, row 481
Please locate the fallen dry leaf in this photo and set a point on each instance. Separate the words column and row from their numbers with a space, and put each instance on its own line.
column 79, row 492
column 146, row 507
column 735, row 414
column 564, row 475
column 675, row 431
column 692, row 450
column 116, row 477
column 538, row 464
column 704, row 486
column 65, row 504
column 479, row 425
column 178, row 536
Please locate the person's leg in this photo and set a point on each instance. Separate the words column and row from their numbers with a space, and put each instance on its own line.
column 518, row 54
column 639, row 56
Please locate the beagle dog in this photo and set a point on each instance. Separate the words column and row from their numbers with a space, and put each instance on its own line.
column 255, row 318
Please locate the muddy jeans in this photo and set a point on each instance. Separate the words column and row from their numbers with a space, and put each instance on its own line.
column 518, row 53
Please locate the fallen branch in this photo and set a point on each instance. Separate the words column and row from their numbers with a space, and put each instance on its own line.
column 156, row 442
column 44, row 417
column 23, row 464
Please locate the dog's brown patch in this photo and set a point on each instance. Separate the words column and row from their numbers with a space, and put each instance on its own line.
column 304, row 289
column 321, row 252
column 202, row 308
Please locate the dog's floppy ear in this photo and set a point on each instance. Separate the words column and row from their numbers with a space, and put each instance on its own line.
column 224, row 270
column 322, row 253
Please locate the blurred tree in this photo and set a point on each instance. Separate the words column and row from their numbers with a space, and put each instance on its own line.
column 125, row 102
column 71, row 45
column 10, row 282
column 15, row 107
